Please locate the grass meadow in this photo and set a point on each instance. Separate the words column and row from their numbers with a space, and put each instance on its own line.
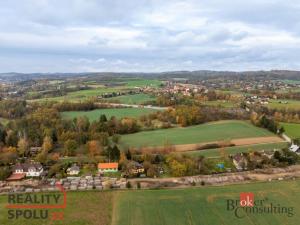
column 291, row 104
column 237, row 149
column 132, row 99
column 209, row 132
column 292, row 129
column 206, row 205
column 83, row 208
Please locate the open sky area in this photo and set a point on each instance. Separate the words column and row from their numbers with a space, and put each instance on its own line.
column 143, row 35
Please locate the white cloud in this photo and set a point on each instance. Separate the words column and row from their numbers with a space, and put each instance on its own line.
column 155, row 35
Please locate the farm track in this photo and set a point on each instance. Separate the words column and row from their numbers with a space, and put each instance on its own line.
column 235, row 142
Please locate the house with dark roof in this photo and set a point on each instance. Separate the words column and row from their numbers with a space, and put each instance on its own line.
column 239, row 161
column 32, row 169
column 73, row 170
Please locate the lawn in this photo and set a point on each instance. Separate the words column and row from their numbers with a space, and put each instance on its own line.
column 232, row 150
column 142, row 83
column 209, row 132
column 133, row 99
column 127, row 84
column 83, row 208
column 76, row 96
column 292, row 129
column 207, row 205
column 291, row 104
column 117, row 112
column 225, row 104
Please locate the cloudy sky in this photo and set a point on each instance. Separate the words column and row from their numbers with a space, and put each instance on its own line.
column 141, row 35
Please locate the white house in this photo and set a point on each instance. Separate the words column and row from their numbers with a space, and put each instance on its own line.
column 73, row 170
column 295, row 148
column 30, row 169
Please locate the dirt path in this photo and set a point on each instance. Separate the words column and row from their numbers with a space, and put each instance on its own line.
column 235, row 142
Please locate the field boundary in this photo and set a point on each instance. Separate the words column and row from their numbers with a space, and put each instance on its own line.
column 201, row 146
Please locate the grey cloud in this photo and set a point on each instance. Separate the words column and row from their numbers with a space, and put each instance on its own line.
column 143, row 35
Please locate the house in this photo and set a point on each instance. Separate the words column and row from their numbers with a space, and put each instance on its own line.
column 239, row 161
column 136, row 168
column 29, row 169
column 108, row 167
column 73, row 170
column 295, row 148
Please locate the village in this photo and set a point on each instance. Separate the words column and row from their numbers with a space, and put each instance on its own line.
column 32, row 176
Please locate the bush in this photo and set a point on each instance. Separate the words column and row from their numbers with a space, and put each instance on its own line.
column 128, row 185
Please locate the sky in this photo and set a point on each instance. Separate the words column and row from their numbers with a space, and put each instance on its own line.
column 148, row 35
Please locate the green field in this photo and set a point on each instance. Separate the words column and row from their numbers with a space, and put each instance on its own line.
column 206, row 206
column 132, row 99
column 237, row 149
column 201, row 205
column 225, row 104
column 83, row 208
column 117, row 112
column 216, row 131
column 99, row 88
column 142, row 83
column 76, row 96
column 291, row 81
column 291, row 104
column 292, row 129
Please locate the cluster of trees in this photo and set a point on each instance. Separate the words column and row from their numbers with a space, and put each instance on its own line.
column 45, row 128
column 12, row 109
column 286, row 157
column 289, row 95
column 266, row 122
column 281, row 115
column 192, row 115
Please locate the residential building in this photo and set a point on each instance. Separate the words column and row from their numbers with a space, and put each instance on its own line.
column 73, row 170
column 108, row 167
column 29, row 169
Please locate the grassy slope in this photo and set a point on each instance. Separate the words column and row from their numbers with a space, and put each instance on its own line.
column 132, row 99
column 143, row 82
column 292, row 104
column 119, row 113
column 81, row 95
column 237, row 149
column 205, row 206
column 292, row 129
column 223, row 130
column 85, row 94
column 83, row 208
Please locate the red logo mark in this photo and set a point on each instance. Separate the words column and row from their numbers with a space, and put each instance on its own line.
column 57, row 216
column 246, row 199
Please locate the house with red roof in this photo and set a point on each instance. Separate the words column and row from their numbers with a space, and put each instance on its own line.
column 108, row 167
